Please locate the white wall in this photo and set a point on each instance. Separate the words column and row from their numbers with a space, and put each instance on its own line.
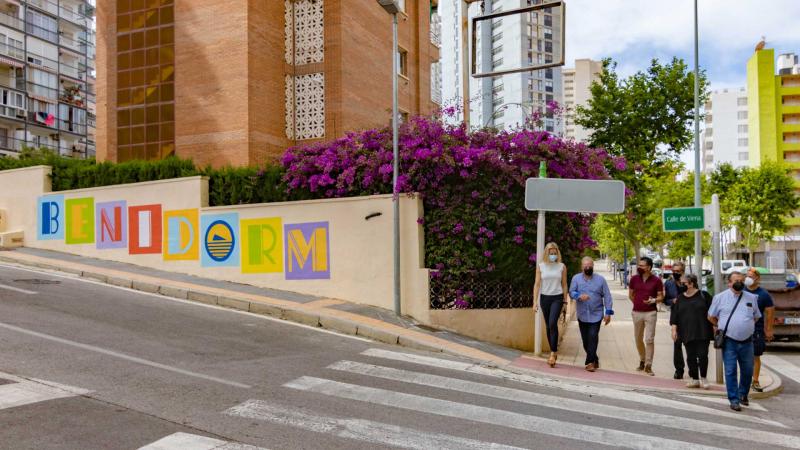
column 723, row 131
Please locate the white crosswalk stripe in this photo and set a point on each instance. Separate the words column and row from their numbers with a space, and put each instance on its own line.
column 562, row 403
column 358, row 429
column 724, row 401
column 22, row 391
column 491, row 416
column 187, row 441
column 782, row 366
column 594, row 391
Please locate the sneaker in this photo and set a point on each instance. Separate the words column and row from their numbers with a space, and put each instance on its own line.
column 704, row 383
column 693, row 384
column 641, row 366
column 736, row 407
column 757, row 387
column 678, row 375
column 590, row 367
column 648, row 370
column 744, row 402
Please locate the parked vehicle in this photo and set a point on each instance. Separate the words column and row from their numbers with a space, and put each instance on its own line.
column 787, row 305
column 729, row 265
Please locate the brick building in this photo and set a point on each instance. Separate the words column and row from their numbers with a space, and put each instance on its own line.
column 238, row 81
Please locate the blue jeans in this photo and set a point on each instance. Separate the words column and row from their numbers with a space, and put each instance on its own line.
column 590, row 335
column 740, row 352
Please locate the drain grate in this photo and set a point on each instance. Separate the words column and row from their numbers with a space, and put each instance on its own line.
column 37, row 281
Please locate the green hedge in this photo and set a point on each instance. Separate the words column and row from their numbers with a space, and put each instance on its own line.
column 227, row 186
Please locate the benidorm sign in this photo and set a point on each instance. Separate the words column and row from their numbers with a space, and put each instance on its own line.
column 256, row 245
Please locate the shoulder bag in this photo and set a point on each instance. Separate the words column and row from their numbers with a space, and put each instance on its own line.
column 719, row 336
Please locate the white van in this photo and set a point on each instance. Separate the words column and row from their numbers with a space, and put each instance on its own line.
column 731, row 265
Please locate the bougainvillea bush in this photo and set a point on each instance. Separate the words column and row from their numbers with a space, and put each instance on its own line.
column 472, row 185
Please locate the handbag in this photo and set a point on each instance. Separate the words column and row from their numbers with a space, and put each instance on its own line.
column 719, row 336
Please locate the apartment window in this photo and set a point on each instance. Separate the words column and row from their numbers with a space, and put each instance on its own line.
column 709, row 132
column 742, row 128
column 548, row 20
column 548, row 73
column 548, row 33
column 42, row 26
column 11, row 98
column 497, row 89
column 741, row 101
column 539, row 45
column 499, row 114
column 744, row 156
column 497, row 50
column 709, row 145
column 403, row 56
column 497, row 37
column 742, row 142
column 548, row 58
column 741, row 115
column 548, row 86
column 41, row 83
column 497, row 63
column 548, row 46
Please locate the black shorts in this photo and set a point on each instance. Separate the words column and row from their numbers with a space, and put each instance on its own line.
column 759, row 343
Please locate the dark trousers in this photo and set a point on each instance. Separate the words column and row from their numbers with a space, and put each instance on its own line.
column 590, row 335
column 551, row 310
column 697, row 358
column 677, row 356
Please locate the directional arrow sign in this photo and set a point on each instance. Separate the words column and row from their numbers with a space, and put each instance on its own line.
column 568, row 195
column 683, row 219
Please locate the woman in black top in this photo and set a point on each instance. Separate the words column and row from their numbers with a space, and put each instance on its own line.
column 689, row 320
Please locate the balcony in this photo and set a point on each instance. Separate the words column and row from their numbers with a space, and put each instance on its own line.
column 12, row 112
column 73, row 95
column 72, row 127
column 14, row 52
column 42, row 119
column 38, row 90
column 13, row 144
column 436, row 30
column 45, row 5
column 72, row 44
column 12, row 21
column 48, row 35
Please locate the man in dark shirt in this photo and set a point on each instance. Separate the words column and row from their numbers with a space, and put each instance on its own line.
column 763, row 332
column 645, row 291
column 672, row 289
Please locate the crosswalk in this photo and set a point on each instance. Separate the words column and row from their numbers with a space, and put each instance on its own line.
column 16, row 391
column 604, row 416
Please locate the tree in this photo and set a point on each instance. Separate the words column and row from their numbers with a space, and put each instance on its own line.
column 645, row 119
column 759, row 203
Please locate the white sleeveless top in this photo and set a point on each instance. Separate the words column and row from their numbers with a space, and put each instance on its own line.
column 551, row 278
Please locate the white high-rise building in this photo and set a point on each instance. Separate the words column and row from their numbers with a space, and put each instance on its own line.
column 509, row 42
column 725, row 137
column 576, row 92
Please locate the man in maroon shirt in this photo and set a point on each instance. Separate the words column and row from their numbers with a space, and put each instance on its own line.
column 645, row 291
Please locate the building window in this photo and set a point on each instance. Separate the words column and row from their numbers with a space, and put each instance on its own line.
column 709, row 145
column 497, row 63
column 548, row 46
column 497, row 50
column 709, row 132
column 403, row 57
column 741, row 115
column 744, row 156
column 548, row 73
column 42, row 26
column 742, row 128
column 548, row 86
column 742, row 142
column 548, row 20
column 741, row 101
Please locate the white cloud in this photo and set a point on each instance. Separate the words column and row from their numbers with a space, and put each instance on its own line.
column 634, row 31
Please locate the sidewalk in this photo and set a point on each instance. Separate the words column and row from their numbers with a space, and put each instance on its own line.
column 616, row 347
column 617, row 350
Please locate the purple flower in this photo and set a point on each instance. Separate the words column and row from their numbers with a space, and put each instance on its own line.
column 518, row 239
column 487, row 254
column 519, row 229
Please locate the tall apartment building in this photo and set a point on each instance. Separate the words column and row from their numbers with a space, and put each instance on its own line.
column 725, row 137
column 509, row 42
column 46, row 76
column 576, row 91
column 238, row 81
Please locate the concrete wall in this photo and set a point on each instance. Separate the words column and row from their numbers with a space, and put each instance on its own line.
column 317, row 247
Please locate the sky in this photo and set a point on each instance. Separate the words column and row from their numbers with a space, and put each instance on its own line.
column 632, row 32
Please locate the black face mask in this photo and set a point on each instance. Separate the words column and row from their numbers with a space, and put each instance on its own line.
column 682, row 289
column 588, row 271
column 677, row 276
column 738, row 286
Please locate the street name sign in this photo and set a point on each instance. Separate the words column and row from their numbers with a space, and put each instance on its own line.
column 570, row 195
column 683, row 219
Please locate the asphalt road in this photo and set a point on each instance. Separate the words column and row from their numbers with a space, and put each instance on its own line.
column 89, row 366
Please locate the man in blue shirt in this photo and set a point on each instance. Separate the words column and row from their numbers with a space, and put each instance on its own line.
column 594, row 305
column 736, row 312
column 762, row 334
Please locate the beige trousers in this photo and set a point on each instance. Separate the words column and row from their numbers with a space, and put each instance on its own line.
column 644, row 332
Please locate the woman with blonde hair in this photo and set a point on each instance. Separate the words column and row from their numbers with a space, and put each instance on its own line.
column 551, row 293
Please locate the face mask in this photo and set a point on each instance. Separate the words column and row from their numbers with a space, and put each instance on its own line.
column 682, row 289
column 749, row 281
column 588, row 271
column 677, row 276
column 738, row 286
column 552, row 258
column 640, row 271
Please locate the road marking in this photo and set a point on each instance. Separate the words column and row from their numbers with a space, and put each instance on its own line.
column 358, row 429
column 567, row 404
column 724, row 401
column 123, row 356
column 16, row 289
column 188, row 302
column 782, row 366
column 482, row 414
column 24, row 392
column 183, row 441
column 593, row 391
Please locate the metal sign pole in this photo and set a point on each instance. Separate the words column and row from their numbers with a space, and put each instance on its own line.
column 716, row 228
column 537, row 328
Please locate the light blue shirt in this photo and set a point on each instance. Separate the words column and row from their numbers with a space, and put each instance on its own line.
column 600, row 300
column 743, row 322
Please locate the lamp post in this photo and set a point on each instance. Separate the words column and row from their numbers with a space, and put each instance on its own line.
column 392, row 7
column 698, row 235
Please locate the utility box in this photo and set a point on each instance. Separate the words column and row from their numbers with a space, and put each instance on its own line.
column 11, row 239
column 3, row 220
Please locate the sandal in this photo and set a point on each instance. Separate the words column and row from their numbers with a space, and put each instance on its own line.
column 552, row 361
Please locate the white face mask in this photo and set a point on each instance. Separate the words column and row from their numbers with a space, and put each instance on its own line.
column 552, row 258
column 749, row 282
